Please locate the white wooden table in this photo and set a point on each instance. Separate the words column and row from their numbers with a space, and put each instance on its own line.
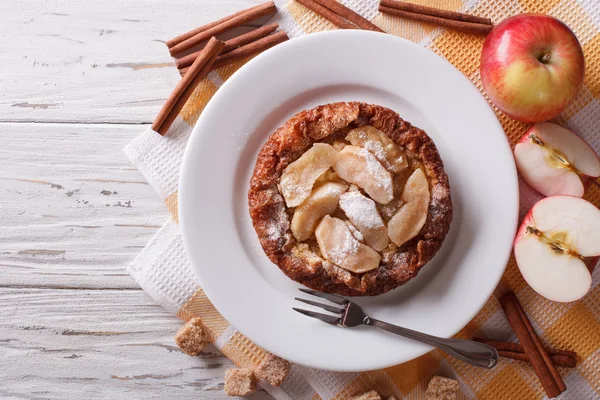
column 78, row 80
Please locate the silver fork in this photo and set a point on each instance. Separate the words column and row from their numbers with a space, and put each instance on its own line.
column 350, row 314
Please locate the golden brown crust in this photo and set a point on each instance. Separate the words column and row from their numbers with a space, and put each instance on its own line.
column 271, row 219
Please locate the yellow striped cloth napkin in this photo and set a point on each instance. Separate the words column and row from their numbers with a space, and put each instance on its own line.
column 163, row 271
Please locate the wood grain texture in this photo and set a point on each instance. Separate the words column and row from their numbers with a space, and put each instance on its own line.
column 93, row 60
column 75, row 214
column 75, row 211
column 110, row 344
column 79, row 80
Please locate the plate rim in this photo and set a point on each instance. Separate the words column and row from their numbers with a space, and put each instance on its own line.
column 186, row 164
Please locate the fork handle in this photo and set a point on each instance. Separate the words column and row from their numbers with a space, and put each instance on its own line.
column 469, row 351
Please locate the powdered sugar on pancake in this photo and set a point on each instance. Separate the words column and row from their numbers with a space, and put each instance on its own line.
column 357, row 165
column 355, row 232
column 347, row 246
column 361, row 210
column 341, row 248
column 373, row 146
column 279, row 223
column 363, row 214
column 374, row 167
column 380, row 145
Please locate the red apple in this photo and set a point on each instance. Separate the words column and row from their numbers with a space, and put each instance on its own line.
column 554, row 160
column 532, row 67
column 554, row 245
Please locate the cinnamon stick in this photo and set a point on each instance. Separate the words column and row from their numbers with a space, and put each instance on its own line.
column 435, row 12
column 516, row 347
column 194, row 32
column 245, row 51
column 557, row 360
column 326, row 13
column 540, row 361
column 186, row 86
column 538, row 343
column 231, row 44
column 560, row 358
column 350, row 15
column 223, row 25
column 449, row 23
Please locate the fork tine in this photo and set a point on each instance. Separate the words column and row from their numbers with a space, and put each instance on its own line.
column 330, row 319
column 334, row 298
column 325, row 307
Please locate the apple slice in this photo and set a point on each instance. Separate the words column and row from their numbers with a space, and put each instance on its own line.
column 299, row 177
column 355, row 232
column 327, row 176
column 341, row 248
column 357, row 165
column 553, row 160
column 555, row 237
column 323, row 200
column 380, row 145
column 363, row 214
column 408, row 221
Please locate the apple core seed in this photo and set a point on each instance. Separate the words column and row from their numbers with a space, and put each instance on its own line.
column 557, row 241
column 556, row 157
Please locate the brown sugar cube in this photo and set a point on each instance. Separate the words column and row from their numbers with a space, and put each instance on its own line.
column 192, row 337
column 372, row 395
column 441, row 388
column 273, row 369
column 239, row 382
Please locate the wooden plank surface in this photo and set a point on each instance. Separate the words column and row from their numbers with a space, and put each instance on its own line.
column 98, row 344
column 79, row 80
column 93, row 60
column 75, row 211
column 75, row 214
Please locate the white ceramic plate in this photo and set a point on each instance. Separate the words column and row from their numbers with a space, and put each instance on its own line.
column 250, row 291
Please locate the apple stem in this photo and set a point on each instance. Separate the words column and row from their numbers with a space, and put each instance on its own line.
column 545, row 58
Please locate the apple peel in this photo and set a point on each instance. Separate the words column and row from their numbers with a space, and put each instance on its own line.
column 532, row 66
